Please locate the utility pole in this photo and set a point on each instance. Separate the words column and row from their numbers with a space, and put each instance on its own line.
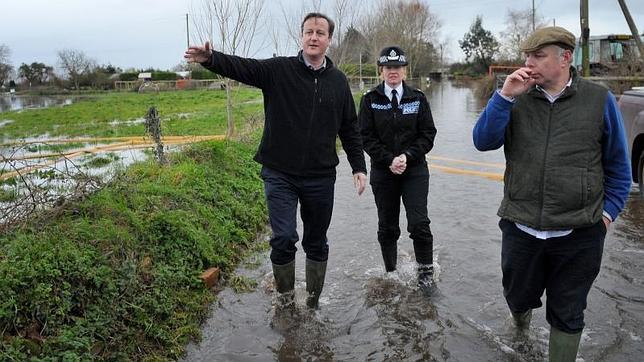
column 631, row 25
column 532, row 15
column 187, row 33
column 585, row 33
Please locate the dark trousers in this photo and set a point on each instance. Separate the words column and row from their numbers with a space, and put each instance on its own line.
column 565, row 267
column 315, row 195
column 413, row 187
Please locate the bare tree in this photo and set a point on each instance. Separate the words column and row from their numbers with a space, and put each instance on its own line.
column 518, row 28
column 293, row 20
column 230, row 25
column 407, row 23
column 75, row 64
column 5, row 65
column 344, row 12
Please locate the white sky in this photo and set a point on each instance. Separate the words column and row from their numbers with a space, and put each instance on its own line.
column 152, row 33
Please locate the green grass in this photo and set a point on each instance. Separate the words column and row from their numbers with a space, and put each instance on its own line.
column 116, row 276
column 194, row 112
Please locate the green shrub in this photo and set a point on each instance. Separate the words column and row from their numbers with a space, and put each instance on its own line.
column 116, row 276
column 128, row 76
column 164, row 76
column 203, row 74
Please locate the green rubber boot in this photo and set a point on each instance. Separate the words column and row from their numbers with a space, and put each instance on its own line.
column 563, row 346
column 315, row 273
column 285, row 282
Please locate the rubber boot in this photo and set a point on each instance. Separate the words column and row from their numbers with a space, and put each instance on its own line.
column 563, row 346
column 426, row 278
column 315, row 273
column 522, row 320
column 285, row 282
column 390, row 256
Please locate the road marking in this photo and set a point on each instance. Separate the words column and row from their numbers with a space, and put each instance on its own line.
column 490, row 175
column 459, row 171
column 475, row 163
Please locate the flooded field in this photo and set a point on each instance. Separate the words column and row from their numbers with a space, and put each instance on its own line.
column 366, row 315
column 18, row 102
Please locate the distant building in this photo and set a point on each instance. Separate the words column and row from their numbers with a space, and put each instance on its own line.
column 145, row 76
column 607, row 52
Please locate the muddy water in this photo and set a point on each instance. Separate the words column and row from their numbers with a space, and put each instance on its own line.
column 367, row 315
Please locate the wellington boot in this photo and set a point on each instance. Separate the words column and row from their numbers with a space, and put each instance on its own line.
column 563, row 346
column 521, row 320
column 426, row 279
column 315, row 274
column 285, row 282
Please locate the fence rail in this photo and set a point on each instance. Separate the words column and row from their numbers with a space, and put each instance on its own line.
column 121, row 85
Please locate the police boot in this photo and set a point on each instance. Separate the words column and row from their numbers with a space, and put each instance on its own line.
column 315, row 273
column 390, row 256
column 563, row 346
column 521, row 320
column 426, row 278
column 285, row 282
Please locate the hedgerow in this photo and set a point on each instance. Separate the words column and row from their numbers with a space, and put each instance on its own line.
column 116, row 276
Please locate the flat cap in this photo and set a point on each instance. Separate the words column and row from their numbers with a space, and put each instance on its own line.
column 551, row 35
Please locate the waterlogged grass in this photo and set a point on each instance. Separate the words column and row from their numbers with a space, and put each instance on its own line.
column 192, row 112
column 116, row 276
column 101, row 161
column 53, row 148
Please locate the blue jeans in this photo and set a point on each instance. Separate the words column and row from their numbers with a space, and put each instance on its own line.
column 565, row 267
column 315, row 195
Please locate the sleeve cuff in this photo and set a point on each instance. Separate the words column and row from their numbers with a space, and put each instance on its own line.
column 509, row 99
column 607, row 215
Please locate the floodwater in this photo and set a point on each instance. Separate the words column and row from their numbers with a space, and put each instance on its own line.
column 367, row 315
column 18, row 102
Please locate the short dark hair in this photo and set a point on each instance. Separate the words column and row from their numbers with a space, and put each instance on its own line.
column 322, row 16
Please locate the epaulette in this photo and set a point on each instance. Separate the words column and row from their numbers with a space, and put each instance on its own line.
column 419, row 91
column 369, row 91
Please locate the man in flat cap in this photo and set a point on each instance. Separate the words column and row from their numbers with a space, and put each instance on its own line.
column 567, row 178
column 397, row 132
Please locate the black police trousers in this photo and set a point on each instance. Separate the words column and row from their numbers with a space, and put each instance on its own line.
column 413, row 187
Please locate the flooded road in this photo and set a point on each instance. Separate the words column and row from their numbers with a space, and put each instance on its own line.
column 367, row 315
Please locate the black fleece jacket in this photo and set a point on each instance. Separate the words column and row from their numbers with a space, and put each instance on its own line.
column 304, row 112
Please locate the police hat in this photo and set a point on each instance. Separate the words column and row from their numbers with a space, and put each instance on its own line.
column 551, row 35
column 392, row 56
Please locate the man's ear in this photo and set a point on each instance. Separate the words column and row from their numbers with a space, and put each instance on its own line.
column 567, row 55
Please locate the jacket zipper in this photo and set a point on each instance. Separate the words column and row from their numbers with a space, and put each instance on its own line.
column 543, row 166
column 308, row 135
column 396, row 129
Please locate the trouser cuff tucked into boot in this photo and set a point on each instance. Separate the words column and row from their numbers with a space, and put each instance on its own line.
column 315, row 273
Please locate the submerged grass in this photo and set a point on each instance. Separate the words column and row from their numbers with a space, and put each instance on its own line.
column 116, row 276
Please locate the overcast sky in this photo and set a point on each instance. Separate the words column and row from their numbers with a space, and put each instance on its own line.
column 152, row 33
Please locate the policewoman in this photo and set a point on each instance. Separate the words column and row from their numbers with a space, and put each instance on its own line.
column 397, row 132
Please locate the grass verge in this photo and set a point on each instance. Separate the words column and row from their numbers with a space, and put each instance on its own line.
column 116, row 276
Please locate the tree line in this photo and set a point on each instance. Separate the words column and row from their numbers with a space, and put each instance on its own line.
column 361, row 31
